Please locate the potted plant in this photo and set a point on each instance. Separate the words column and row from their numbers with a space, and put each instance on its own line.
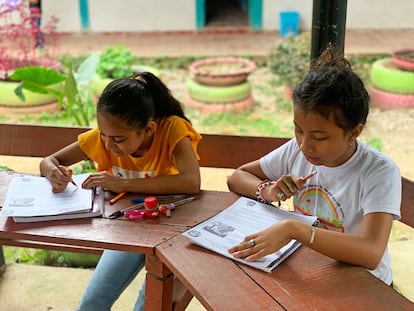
column 404, row 59
column 290, row 59
column 116, row 62
column 221, row 71
column 74, row 97
column 18, row 49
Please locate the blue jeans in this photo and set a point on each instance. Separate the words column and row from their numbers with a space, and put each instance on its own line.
column 114, row 272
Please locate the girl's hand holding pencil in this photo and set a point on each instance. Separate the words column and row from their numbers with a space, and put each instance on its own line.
column 67, row 173
column 59, row 177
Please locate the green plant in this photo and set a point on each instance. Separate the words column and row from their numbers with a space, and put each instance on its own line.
column 376, row 142
column 71, row 91
column 5, row 168
column 115, row 62
column 49, row 258
column 362, row 64
column 290, row 58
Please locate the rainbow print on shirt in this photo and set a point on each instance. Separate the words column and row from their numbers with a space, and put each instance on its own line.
column 315, row 200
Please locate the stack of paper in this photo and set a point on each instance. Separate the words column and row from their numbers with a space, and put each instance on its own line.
column 30, row 198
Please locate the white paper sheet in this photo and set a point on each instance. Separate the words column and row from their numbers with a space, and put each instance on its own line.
column 30, row 195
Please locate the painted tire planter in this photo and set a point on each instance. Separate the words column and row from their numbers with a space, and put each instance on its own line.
column 404, row 59
column 25, row 110
column 228, row 107
column 386, row 100
column 386, row 76
column 218, row 94
column 221, row 71
column 9, row 99
column 98, row 84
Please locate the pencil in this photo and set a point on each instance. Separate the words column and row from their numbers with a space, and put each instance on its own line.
column 66, row 173
column 116, row 198
column 313, row 173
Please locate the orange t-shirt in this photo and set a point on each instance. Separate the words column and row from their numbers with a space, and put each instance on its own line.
column 158, row 161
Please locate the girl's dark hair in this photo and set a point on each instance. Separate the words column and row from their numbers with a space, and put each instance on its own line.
column 139, row 99
column 332, row 89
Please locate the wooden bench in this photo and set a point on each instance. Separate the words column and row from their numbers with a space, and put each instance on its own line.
column 217, row 151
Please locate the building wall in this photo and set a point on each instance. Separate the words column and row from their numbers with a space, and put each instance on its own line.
column 123, row 15
column 361, row 14
column 142, row 15
column 180, row 15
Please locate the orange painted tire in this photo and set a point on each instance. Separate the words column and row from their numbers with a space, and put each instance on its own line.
column 229, row 107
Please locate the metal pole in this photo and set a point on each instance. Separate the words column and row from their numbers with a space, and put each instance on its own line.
column 328, row 25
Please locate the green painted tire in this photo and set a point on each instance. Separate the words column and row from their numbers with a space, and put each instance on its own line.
column 386, row 76
column 218, row 94
column 10, row 99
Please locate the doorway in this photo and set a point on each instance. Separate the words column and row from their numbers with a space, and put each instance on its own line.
column 229, row 14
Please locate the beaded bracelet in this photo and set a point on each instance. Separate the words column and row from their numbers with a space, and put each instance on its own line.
column 260, row 188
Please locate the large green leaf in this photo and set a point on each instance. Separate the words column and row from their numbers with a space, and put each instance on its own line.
column 87, row 70
column 37, row 75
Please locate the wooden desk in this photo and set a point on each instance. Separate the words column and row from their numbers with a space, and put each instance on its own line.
column 97, row 234
column 305, row 281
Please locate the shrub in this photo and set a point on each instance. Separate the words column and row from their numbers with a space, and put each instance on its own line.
column 290, row 58
column 116, row 62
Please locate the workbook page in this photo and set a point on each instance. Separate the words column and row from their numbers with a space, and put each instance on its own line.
column 30, row 195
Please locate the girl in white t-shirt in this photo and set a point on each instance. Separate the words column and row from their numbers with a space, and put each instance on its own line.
column 356, row 192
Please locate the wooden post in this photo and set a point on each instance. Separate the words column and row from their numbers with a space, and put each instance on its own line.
column 328, row 25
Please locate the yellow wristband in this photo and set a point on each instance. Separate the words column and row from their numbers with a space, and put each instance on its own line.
column 312, row 237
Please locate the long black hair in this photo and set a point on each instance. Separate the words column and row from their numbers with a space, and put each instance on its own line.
column 139, row 99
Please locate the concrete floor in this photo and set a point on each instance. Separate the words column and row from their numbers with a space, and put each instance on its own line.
column 219, row 42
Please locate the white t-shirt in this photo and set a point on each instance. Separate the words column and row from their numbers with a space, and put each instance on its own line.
column 340, row 196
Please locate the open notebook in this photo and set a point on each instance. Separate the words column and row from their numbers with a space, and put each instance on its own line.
column 244, row 217
column 30, row 199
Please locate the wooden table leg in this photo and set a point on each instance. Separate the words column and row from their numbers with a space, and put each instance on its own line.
column 159, row 285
